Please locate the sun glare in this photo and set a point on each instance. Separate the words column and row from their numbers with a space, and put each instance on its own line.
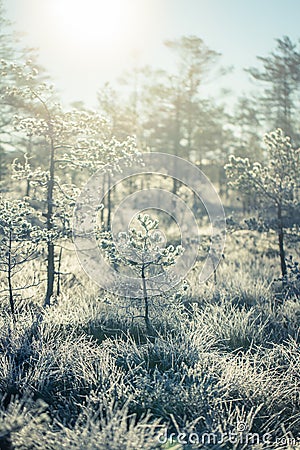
column 89, row 42
column 94, row 21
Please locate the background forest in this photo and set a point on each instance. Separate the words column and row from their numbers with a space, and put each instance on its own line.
column 200, row 365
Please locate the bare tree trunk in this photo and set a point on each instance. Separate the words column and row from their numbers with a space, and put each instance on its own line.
column 28, row 186
column 281, row 241
column 146, row 303
column 9, row 276
column 215, row 270
column 58, row 272
column 176, row 143
column 49, row 224
column 102, row 209
column 108, row 223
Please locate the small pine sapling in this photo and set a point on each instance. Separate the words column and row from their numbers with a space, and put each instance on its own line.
column 141, row 252
column 275, row 185
column 19, row 241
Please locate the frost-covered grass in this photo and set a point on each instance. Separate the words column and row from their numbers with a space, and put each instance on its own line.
column 85, row 375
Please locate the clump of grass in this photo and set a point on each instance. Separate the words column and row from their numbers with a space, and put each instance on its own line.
column 234, row 328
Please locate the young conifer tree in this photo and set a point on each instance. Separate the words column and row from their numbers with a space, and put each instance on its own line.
column 275, row 184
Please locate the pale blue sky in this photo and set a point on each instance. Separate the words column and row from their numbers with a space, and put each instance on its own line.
column 80, row 61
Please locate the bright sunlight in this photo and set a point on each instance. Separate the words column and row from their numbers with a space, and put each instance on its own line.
column 89, row 20
column 109, row 26
column 91, row 40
